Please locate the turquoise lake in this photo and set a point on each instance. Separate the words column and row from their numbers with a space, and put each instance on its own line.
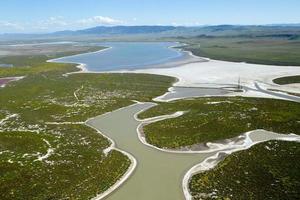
column 127, row 56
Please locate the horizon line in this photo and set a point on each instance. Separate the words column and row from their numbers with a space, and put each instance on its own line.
column 154, row 25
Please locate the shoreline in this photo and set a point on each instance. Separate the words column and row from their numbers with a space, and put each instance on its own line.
column 113, row 146
column 6, row 80
column 187, row 58
column 81, row 66
column 193, row 75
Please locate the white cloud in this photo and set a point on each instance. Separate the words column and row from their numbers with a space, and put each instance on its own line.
column 52, row 22
column 9, row 25
column 60, row 23
column 100, row 20
column 57, row 23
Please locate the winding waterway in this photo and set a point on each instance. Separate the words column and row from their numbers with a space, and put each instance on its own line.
column 159, row 174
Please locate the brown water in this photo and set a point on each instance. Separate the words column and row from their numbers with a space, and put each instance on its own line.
column 158, row 175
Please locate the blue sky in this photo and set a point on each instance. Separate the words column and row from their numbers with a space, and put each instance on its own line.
column 53, row 15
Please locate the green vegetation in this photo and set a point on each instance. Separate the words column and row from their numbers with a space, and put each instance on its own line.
column 40, row 159
column 34, row 64
column 287, row 80
column 266, row 171
column 77, row 169
column 212, row 119
column 261, row 50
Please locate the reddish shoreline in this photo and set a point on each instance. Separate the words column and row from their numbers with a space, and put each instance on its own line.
column 4, row 81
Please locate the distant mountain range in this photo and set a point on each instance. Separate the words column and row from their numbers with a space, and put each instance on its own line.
column 120, row 30
column 174, row 30
column 169, row 31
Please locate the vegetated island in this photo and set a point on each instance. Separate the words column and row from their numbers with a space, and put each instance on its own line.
column 218, row 118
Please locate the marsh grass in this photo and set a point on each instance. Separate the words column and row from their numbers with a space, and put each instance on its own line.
column 259, row 50
column 287, row 80
column 213, row 119
column 266, row 171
